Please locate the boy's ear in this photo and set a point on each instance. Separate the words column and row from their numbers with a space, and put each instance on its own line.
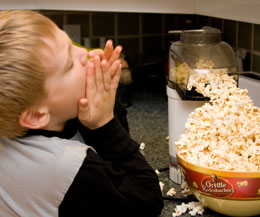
column 35, row 118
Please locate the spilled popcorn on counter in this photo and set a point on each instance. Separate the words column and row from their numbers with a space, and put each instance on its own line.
column 184, row 185
column 225, row 132
column 142, row 146
column 194, row 208
column 171, row 192
column 161, row 185
column 185, row 190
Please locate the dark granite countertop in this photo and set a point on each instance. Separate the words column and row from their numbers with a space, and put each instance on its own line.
column 148, row 123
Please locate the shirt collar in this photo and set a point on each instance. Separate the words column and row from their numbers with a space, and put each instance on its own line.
column 68, row 132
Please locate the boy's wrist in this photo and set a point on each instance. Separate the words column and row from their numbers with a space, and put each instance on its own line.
column 101, row 123
column 101, row 132
column 110, row 133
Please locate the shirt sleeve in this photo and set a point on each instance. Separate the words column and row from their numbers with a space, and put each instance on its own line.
column 116, row 181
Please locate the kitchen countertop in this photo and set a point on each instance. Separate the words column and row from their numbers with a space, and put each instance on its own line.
column 148, row 123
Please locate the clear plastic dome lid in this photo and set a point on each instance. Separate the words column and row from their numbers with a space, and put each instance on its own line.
column 198, row 51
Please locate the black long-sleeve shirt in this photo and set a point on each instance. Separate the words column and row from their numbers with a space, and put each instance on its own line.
column 116, row 181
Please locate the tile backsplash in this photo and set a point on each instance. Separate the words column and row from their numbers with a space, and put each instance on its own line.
column 146, row 34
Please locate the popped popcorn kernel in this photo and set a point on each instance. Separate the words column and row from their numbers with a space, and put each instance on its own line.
column 171, row 192
column 161, row 185
column 194, row 208
column 142, row 146
column 157, row 172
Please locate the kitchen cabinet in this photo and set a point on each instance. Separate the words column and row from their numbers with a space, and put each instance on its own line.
column 239, row 10
column 145, row 6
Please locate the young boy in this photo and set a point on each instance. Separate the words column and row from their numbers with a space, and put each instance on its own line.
column 63, row 151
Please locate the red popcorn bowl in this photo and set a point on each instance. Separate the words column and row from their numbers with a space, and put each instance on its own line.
column 230, row 193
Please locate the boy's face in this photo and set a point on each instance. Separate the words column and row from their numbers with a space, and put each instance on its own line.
column 65, row 79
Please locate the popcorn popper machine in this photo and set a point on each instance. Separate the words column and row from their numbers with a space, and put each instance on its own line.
column 197, row 51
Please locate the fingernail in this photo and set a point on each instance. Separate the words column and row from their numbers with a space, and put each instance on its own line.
column 120, row 47
column 91, row 53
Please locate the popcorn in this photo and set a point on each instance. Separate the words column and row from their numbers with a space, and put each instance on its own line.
column 225, row 132
column 157, row 172
column 185, row 190
column 184, row 185
column 193, row 207
column 142, row 146
column 177, row 213
column 171, row 192
column 181, row 208
column 161, row 185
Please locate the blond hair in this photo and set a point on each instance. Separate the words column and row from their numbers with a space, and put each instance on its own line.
column 22, row 70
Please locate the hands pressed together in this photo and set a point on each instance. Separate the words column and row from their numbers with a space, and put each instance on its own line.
column 103, row 74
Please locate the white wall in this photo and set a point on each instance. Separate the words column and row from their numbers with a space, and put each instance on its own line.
column 240, row 10
column 151, row 6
